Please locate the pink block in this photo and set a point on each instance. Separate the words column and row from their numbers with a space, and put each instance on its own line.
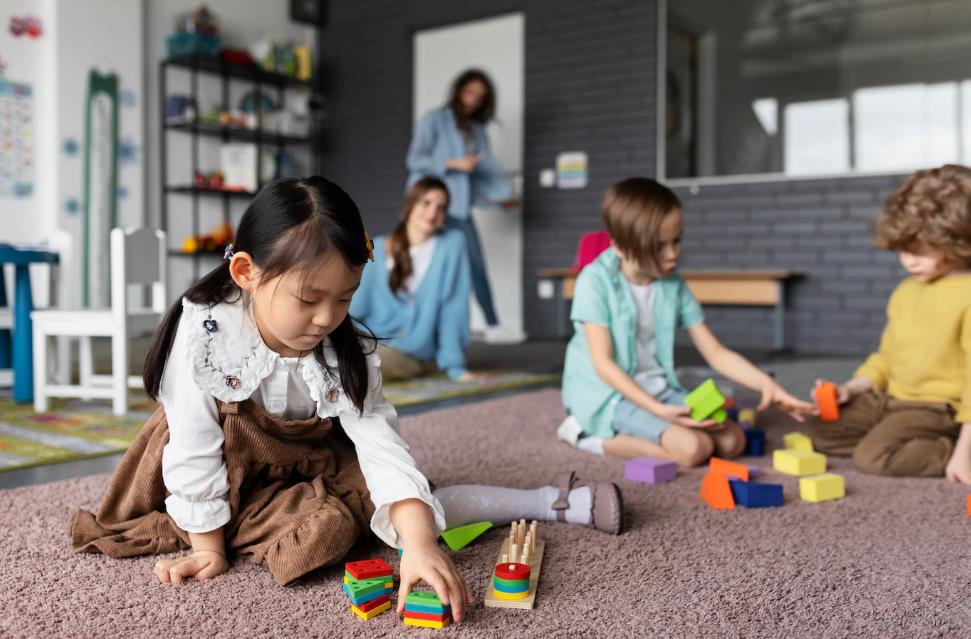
column 650, row 470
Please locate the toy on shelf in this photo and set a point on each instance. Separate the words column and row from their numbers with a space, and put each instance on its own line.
column 516, row 573
column 822, row 487
column 825, row 396
column 650, row 470
column 221, row 235
column 426, row 610
column 797, row 441
column 368, row 584
column 799, row 462
column 754, row 442
column 707, row 402
column 461, row 536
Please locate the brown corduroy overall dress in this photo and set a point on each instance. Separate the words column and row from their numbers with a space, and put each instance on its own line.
column 297, row 497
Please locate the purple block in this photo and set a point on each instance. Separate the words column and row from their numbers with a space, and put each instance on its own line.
column 754, row 471
column 650, row 470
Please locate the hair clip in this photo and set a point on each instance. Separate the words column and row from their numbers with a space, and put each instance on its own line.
column 369, row 243
column 228, row 253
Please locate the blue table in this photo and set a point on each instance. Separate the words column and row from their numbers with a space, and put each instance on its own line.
column 23, row 353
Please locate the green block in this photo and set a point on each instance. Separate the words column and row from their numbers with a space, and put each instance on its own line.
column 461, row 536
column 512, row 583
column 366, row 586
column 705, row 402
column 423, row 598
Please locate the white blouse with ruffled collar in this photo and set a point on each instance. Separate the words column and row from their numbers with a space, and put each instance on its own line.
column 218, row 353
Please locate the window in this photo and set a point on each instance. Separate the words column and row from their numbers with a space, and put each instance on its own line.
column 810, row 87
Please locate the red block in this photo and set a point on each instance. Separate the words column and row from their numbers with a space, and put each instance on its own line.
column 515, row 572
column 426, row 616
column 364, row 607
column 368, row 569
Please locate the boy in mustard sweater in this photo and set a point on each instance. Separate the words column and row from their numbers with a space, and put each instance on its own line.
column 907, row 409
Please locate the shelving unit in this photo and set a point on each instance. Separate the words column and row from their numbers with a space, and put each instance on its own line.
column 262, row 83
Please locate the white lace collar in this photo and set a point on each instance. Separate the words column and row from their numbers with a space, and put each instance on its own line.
column 229, row 359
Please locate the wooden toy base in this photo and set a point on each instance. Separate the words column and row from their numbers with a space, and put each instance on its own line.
column 535, row 564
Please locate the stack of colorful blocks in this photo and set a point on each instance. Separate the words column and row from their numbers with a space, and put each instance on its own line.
column 426, row 610
column 368, row 584
column 511, row 581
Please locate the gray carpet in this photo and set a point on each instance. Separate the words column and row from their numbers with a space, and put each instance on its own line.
column 890, row 560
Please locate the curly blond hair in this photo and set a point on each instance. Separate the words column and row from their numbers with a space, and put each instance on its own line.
column 931, row 208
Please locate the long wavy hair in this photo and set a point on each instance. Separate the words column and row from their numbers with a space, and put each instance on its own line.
column 398, row 244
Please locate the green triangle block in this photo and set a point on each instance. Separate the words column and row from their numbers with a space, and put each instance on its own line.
column 461, row 536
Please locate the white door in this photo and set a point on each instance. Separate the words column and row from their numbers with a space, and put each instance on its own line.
column 494, row 45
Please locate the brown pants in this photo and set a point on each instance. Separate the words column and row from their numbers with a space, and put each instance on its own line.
column 888, row 436
column 398, row 366
column 297, row 498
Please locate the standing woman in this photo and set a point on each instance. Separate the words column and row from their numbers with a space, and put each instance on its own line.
column 450, row 142
column 416, row 291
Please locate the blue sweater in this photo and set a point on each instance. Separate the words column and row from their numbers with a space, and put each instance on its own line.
column 433, row 323
column 436, row 140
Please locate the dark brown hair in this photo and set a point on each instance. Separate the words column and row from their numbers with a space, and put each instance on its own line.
column 398, row 244
column 292, row 224
column 931, row 208
column 485, row 112
column 632, row 211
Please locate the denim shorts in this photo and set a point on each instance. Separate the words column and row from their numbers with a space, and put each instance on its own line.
column 631, row 419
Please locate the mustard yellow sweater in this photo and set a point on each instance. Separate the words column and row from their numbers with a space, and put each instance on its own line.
column 925, row 351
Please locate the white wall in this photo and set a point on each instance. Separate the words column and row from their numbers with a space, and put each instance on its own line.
column 241, row 23
column 494, row 45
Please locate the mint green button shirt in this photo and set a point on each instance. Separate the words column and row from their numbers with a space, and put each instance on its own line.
column 603, row 296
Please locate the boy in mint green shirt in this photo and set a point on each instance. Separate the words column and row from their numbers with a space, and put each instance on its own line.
column 619, row 384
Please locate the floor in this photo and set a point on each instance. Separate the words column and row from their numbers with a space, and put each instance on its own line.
column 794, row 372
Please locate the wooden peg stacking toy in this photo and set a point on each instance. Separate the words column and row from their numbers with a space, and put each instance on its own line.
column 368, row 584
column 516, row 573
column 426, row 610
column 825, row 396
column 707, row 402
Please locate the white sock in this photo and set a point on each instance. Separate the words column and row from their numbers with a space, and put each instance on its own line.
column 466, row 504
column 591, row 444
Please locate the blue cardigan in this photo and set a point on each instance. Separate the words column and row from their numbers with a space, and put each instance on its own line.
column 431, row 325
column 437, row 139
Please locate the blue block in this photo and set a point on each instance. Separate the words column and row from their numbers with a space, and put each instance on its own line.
column 432, row 610
column 732, row 414
column 755, row 495
column 503, row 588
column 365, row 598
column 754, row 442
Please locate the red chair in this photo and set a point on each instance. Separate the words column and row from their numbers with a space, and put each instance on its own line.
column 591, row 245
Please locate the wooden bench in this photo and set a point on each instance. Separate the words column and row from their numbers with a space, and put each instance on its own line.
column 724, row 288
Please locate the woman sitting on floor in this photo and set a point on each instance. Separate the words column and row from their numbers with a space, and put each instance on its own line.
column 416, row 291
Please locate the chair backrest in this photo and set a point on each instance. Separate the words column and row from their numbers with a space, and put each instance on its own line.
column 590, row 246
column 138, row 258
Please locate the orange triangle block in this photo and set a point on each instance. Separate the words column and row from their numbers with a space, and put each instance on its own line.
column 725, row 467
column 717, row 492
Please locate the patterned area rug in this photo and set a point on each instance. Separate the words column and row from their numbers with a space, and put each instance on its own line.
column 435, row 388
column 63, row 434
column 77, row 430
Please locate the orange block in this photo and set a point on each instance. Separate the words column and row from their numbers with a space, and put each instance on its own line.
column 716, row 491
column 829, row 409
column 969, row 505
column 725, row 467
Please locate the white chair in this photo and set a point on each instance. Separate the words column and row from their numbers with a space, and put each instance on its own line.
column 138, row 259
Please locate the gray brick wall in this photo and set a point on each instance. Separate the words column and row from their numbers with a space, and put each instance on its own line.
column 590, row 85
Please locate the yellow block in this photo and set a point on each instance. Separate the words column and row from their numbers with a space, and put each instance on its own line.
column 425, row 623
column 373, row 612
column 747, row 416
column 797, row 441
column 510, row 596
column 799, row 462
column 822, row 487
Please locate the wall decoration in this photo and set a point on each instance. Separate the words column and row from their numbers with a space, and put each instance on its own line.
column 16, row 139
column 128, row 151
column 29, row 26
column 127, row 98
column 70, row 147
column 571, row 170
